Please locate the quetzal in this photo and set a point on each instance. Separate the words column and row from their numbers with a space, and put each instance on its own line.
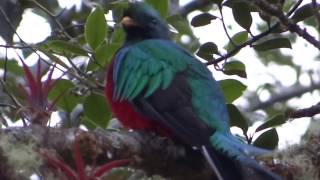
column 154, row 84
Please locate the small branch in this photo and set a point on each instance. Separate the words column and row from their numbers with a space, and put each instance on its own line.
column 305, row 112
column 14, row 47
column 253, row 39
column 240, row 46
column 52, row 16
column 5, row 68
column 192, row 6
column 293, row 27
column 14, row 100
column 224, row 26
column 70, row 70
column 8, row 105
column 295, row 7
column 284, row 95
column 315, row 9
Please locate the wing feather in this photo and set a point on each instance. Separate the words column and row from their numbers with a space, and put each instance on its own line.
column 154, row 83
column 143, row 68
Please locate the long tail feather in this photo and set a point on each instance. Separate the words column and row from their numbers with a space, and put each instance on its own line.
column 211, row 163
column 223, row 167
column 241, row 152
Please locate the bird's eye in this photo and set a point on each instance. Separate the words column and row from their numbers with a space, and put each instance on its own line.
column 154, row 21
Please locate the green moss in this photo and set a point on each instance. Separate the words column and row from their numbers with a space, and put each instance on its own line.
column 301, row 161
column 22, row 157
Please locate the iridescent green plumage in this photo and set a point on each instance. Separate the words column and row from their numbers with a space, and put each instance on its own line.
column 151, row 64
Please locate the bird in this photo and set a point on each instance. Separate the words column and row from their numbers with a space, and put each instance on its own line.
column 153, row 84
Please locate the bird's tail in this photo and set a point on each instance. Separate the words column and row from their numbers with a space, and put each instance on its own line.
column 240, row 154
column 223, row 167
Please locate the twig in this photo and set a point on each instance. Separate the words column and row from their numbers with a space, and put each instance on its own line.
column 240, row 46
column 14, row 47
column 8, row 105
column 42, row 59
column 15, row 32
column 224, row 26
column 295, row 7
column 315, row 9
column 305, row 112
column 14, row 100
column 253, row 39
column 11, row 25
column 284, row 95
column 5, row 68
column 52, row 16
column 293, row 27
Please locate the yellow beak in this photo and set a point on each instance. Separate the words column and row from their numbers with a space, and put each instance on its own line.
column 128, row 21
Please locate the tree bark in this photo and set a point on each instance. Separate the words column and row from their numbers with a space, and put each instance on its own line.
column 146, row 151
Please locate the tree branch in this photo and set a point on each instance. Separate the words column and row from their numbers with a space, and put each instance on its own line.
column 253, row 39
column 148, row 152
column 285, row 94
column 315, row 10
column 224, row 26
column 305, row 112
column 52, row 17
column 240, row 46
column 293, row 27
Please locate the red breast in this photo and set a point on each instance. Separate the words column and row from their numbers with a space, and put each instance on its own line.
column 124, row 110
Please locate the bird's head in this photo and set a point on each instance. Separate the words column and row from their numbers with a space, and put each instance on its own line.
column 140, row 21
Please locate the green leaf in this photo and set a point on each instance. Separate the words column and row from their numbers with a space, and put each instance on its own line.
column 209, row 47
column 161, row 6
column 235, row 68
column 180, row 23
column 52, row 56
column 11, row 11
column 207, row 50
column 103, row 55
column 95, row 28
column 266, row 17
column 118, row 36
column 232, row 89
column 303, row 13
column 68, row 100
column 242, row 15
column 272, row 122
column 12, row 66
column 205, row 56
column 202, row 19
column 236, row 39
column 273, row 44
column 96, row 109
column 65, row 48
column 268, row 139
column 236, row 118
column 89, row 123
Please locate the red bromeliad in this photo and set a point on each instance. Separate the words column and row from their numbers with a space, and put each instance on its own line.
column 81, row 173
column 36, row 92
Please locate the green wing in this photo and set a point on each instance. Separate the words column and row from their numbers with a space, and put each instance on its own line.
column 146, row 66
